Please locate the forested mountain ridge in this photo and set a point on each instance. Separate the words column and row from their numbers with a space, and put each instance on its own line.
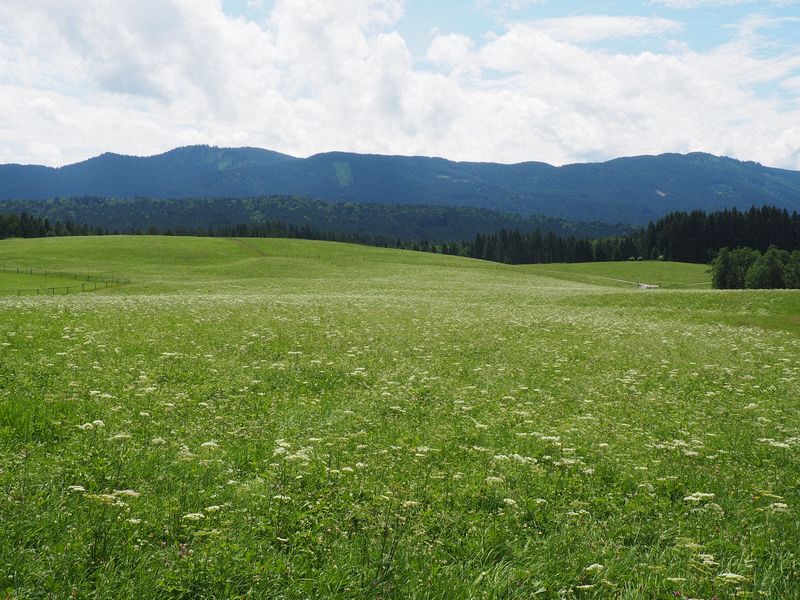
column 629, row 190
column 128, row 176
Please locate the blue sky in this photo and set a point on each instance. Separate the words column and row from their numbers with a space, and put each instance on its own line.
column 482, row 80
column 706, row 24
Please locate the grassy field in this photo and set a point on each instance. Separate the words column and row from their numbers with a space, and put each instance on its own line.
column 292, row 419
column 630, row 273
column 11, row 283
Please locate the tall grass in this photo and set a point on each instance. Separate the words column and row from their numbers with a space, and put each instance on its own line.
column 295, row 419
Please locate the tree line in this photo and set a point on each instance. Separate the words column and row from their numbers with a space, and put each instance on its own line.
column 24, row 225
column 768, row 238
column 694, row 237
column 748, row 268
column 697, row 237
column 408, row 222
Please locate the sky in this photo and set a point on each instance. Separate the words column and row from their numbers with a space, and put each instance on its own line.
column 558, row 81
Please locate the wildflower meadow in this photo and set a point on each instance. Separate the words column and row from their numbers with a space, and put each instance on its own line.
column 295, row 419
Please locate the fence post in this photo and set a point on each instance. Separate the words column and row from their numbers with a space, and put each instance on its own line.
column 94, row 280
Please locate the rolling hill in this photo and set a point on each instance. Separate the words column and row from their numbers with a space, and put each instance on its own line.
column 628, row 190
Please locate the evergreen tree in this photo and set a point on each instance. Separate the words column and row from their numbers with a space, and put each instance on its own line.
column 722, row 271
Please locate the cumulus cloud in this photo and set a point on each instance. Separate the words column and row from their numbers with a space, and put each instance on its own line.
column 78, row 77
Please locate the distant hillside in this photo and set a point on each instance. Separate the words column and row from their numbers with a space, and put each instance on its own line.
column 630, row 190
column 407, row 222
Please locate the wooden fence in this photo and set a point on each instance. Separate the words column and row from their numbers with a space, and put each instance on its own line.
column 89, row 282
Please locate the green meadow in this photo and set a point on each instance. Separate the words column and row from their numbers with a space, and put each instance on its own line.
column 12, row 283
column 630, row 273
column 296, row 419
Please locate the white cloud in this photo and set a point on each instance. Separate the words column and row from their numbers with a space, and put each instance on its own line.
column 595, row 28
column 78, row 77
column 506, row 6
column 450, row 50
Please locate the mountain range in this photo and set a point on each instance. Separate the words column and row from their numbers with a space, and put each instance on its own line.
column 624, row 190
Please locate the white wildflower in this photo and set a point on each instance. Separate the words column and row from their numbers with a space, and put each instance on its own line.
column 595, row 568
column 707, row 560
column 731, row 578
column 302, row 455
column 699, row 497
column 106, row 499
